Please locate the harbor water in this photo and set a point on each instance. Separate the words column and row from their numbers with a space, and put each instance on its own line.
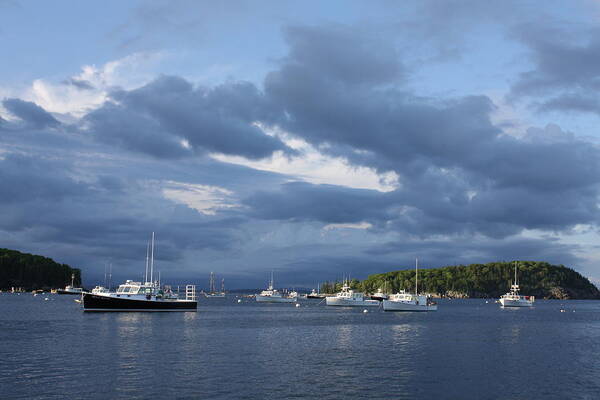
column 469, row 349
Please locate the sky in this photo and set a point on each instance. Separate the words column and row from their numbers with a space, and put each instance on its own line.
column 313, row 139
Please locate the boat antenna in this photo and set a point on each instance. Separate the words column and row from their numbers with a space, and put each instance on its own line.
column 109, row 276
column 147, row 262
column 152, row 259
column 416, row 276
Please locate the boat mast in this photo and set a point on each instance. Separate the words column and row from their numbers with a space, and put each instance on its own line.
column 152, row 259
column 416, row 276
column 515, row 273
column 223, row 285
column 72, row 280
column 147, row 262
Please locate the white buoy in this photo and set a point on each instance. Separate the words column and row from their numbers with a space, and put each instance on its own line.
column 365, row 311
column 297, row 305
column 562, row 310
column 46, row 299
column 239, row 300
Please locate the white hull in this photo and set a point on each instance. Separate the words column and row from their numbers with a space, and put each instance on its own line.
column 389, row 305
column 516, row 303
column 341, row 302
column 271, row 299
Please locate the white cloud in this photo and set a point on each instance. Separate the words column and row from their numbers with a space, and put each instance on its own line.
column 361, row 225
column 205, row 199
column 316, row 167
column 128, row 72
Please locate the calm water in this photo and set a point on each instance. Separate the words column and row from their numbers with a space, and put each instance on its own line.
column 229, row 350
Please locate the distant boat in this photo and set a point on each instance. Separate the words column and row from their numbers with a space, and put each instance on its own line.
column 315, row 295
column 212, row 287
column 379, row 295
column 70, row 289
column 513, row 298
column 138, row 296
column 403, row 301
column 272, row 295
column 349, row 298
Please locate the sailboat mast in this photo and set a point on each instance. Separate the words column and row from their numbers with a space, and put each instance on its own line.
column 416, row 276
column 515, row 272
column 152, row 259
column 147, row 261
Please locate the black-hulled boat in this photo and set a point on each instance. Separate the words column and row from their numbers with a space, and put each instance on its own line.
column 70, row 289
column 135, row 296
column 138, row 296
column 315, row 295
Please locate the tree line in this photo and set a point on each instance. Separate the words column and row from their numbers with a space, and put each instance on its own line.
column 29, row 271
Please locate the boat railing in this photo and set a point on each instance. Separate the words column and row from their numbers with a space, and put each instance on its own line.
column 190, row 292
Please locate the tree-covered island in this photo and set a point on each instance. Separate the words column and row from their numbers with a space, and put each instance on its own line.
column 491, row 280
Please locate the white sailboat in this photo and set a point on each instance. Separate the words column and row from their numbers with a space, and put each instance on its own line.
column 349, row 298
column 213, row 289
column 403, row 301
column 513, row 298
column 272, row 295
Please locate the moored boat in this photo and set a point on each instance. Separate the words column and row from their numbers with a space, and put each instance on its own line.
column 513, row 298
column 349, row 298
column 315, row 295
column 138, row 296
column 272, row 295
column 403, row 301
column 212, row 293
column 70, row 289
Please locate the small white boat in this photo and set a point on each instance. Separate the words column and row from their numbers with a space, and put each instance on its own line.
column 70, row 289
column 513, row 298
column 349, row 298
column 403, row 301
column 272, row 295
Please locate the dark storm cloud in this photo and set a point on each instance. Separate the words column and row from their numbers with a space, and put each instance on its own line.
column 326, row 203
column 458, row 172
column 566, row 65
column 157, row 117
column 30, row 113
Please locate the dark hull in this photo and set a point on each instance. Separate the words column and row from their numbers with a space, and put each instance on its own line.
column 62, row 291
column 378, row 298
column 92, row 302
column 308, row 296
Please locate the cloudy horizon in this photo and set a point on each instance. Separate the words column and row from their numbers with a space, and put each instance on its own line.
column 315, row 140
